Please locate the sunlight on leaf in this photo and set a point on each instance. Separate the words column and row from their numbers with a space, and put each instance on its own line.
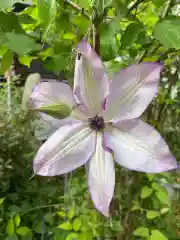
column 65, row 226
column 157, row 235
column 152, row 214
column 141, row 232
column 146, row 192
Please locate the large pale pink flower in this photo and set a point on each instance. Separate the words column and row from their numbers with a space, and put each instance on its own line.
column 104, row 122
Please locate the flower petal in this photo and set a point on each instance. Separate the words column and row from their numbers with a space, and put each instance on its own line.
column 138, row 146
column 101, row 177
column 132, row 90
column 67, row 149
column 44, row 129
column 90, row 81
column 52, row 92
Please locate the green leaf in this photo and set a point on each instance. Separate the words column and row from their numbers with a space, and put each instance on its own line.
column 146, row 192
column 141, row 232
column 27, row 45
column 17, row 220
column 109, row 44
column 109, row 47
column 136, row 206
column 164, row 210
column 26, row 60
column 71, row 213
column 70, row 36
column 7, row 3
column 152, row 214
column 31, row 82
column 3, row 50
column 61, row 214
column 9, row 23
column 168, row 33
column 94, row 216
column 117, row 226
column 65, row 226
column 47, row 13
column 13, row 237
column 23, row 231
column 38, row 226
column 48, row 52
column 163, row 197
column 77, row 224
column 10, row 227
column 86, row 235
column 58, row 63
column 150, row 176
column 29, row 236
column 157, row 187
column 73, row 236
column 6, row 62
column 83, row 4
column 26, row 19
column 49, row 218
column 82, row 23
column 159, row 3
column 157, row 235
column 131, row 34
column 2, row 200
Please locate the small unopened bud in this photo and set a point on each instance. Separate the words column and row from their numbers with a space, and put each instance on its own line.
column 31, row 82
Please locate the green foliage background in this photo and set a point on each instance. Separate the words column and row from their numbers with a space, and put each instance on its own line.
column 60, row 208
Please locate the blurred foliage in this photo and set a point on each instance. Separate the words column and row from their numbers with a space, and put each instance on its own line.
column 60, row 208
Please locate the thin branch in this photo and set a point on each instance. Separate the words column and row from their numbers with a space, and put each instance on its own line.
column 77, row 8
column 166, row 9
column 155, row 45
column 135, row 5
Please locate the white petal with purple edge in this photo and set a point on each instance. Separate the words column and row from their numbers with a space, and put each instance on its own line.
column 90, row 81
column 101, row 177
column 132, row 90
column 52, row 92
column 138, row 146
column 67, row 149
column 47, row 125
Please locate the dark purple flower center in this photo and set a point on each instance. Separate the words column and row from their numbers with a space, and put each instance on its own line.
column 96, row 123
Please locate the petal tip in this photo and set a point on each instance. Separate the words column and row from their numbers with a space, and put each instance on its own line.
column 169, row 164
column 103, row 210
column 155, row 64
column 83, row 45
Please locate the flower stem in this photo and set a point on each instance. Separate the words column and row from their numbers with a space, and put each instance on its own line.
column 96, row 39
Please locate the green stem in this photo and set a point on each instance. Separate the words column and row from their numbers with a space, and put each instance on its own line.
column 96, row 40
column 41, row 207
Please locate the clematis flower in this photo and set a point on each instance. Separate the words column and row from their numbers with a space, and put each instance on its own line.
column 104, row 123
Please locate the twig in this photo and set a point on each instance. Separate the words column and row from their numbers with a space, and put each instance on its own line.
column 135, row 5
column 166, row 9
column 77, row 8
column 155, row 45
